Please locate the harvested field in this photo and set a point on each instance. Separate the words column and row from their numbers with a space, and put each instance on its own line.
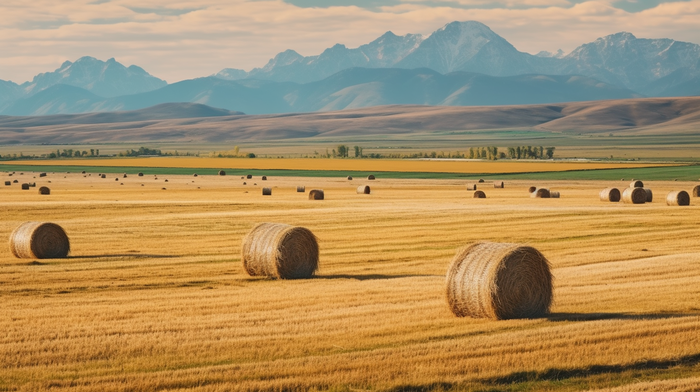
column 154, row 295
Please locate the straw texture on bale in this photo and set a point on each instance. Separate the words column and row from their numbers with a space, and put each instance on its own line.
column 650, row 195
column 634, row 196
column 696, row 190
column 498, row 184
column 267, row 191
column 678, row 198
column 499, row 281
column 44, row 190
column 370, row 177
column 349, row 177
column 280, row 251
column 531, row 189
column 316, row 194
column 363, row 189
column 222, row 173
column 541, row 193
column 471, row 187
column 299, row 188
column 39, row 240
column 554, row 194
column 264, row 178
column 25, row 186
column 610, row 194
column 479, row 195
column 636, row 184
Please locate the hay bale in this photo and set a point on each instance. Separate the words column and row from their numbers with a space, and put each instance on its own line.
column 249, row 176
column 222, row 173
column 481, row 180
column 124, row 176
column 280, row 251
column 499, row 281
column 39, row 240
column 299, row 188
column 363, row 190
column 498, row 184
column 554, row 194
column 349, row 177
column 15, row 181
column 244, row 183
column 634, row 196
column 103, row 176
column 696, row 190
column 610, row 194
column 264, row 178
column 8, row 183
column 678, row 198
column 82, row 172
column 116, row 179
column 531, row 189
column 316, row 194
column 636, row 184
column 479, row 195
column 25, row 186
column 32, row 184
column 541, row 193
column 650, row 194
column 44, row 190
column 166, row 180
column 471, row 187
column 42, row 174
column 371, row 177
column 140, row 174
column 267, row 191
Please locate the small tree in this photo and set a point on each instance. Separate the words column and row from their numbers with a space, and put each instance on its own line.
column 550, row 152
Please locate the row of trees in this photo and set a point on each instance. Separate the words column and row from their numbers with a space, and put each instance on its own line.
column 70, row 153
column 487, row 152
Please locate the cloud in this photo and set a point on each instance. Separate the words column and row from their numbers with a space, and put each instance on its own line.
column 183, row 39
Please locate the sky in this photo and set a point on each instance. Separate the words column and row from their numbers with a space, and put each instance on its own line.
column 183, row 39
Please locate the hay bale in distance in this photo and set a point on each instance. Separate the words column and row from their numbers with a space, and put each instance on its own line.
column 42, row 174
column 124, row 176
column 541, row 193
column 531, row 189
column 267, row 191
column 479, row 195
column 363, row 190
column 15, row 182
column 25, row 186
column 300, row 189
column 349, row 177
column 481, row 180
column 116, row 179
column 39, row 240
column 44, row 190
column 636, row 184
column 104, row 176
column 8, row 183
column 140, row 174
column 316, row 194
column 249, row 176
column 554, row 194
column 499, row 281
column 498, row 184
column 678, row 198
column 371, row 177
column 696, row 191
column 471, row 187
column 610, row 194
column 280, row 251
column 634, row 196
column 650, row 195
column 264, row 178
column 222, row 173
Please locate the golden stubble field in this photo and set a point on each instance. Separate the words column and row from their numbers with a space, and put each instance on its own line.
column 154, row 297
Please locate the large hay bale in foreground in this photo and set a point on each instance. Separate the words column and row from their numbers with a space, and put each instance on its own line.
column 610, row 194
column 371, row 177
column 678, row 198
column 44, row 190
column 531, row 189
column 280, row 251
column 267, row 191
column 554, row 194
column 634, row 196
column 479, row 195
column 696, row 190
column 498, row 184
column 471, row 187
column 636, row 184
column 541, row 193
column 650, row 195
column 363, row 190
column 316, row 194
column 39, row 240
column 499, row 281
column 300, row 189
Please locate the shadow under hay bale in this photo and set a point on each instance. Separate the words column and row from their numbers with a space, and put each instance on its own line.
column 363, row 190
column 634, row 196
column 479, row 195
column 316, row 194
column 280, row 251
column 222, row 173
column 498, row 184
column 267, row 191
column 696, row 190
column 471, row 187
column 650, row 195
column 610, row 194
column 554, row 194
column 44, row 190
column 40, row 240
column 300, row 189
column 636, row 184
column 25, row 186
column 531, row 189
column 371, row 177
column 499, row 281
column 678, row 198
column 541, row 193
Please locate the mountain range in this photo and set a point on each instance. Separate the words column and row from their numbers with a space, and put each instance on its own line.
column 462, row 63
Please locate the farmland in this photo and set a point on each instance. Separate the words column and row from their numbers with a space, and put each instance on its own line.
column 154, row 297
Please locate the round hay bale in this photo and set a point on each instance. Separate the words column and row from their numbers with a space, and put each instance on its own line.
column 166, row 180
column 195, row 175
column 471, row 187
column 634, row 196
column 15, row 181
column 636, row 184
column 499, row 281
column 554, row 194
column 44, row 190
column 124, row 176
column 264, row 178
column 363, row 190
column 678, row 198
column 696, row 190
column 82, row 172
column 267, row 191
column 42, row 174
column 7, row 183
column 301, row 189
column 531, row 189
column 244, row 183
column 610, row 194
column 39, row 240
column 479, row 195
column 650, row 195
column 116, row 179
column 541, row 193
column 349, row 177
column 481, row 180
column 280, row 251
column 103, row 176
column 316, row 194
column 25, row 186
column 140, row 174
column 249, row 176
column 371, row 177
column 222, row 173
column 498, row 184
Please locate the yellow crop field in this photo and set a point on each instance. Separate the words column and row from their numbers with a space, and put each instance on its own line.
column 426, row 166
column 154, row 297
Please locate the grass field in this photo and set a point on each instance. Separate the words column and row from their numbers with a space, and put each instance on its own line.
column 154, row 297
